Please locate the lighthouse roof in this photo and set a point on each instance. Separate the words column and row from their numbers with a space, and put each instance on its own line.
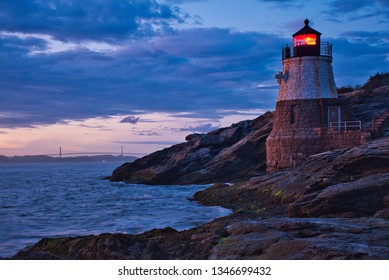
column 306, row 30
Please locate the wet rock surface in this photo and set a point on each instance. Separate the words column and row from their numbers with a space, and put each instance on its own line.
column 313, row 238
column 104, row 246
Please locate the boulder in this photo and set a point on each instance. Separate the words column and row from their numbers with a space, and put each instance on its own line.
column 105, row 246
column 362, row 197
column 384, row 213
column 371, row 158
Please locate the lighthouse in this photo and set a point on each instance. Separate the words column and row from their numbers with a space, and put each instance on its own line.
column 309, row 117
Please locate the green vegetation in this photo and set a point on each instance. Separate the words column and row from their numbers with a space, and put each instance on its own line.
column 224, row 242
column 279, row 193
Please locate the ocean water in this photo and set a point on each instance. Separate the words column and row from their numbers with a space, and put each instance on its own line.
column 71, row 199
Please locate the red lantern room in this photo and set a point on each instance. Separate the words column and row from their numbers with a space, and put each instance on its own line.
column 306, row 41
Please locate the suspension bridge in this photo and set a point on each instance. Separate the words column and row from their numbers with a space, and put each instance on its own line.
column 121, row 153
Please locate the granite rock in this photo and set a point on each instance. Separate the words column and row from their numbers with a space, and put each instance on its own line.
column 362, row 197
column 104, row 246
column 309, row 238
column 226, row 154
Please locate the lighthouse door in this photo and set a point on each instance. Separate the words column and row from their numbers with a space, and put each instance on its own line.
column 334, row 117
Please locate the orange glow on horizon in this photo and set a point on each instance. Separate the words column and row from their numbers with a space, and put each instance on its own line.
column 304, row 39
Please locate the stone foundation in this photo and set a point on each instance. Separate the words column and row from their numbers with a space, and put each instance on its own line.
column 287, row 148
column 304, row 130
column 309, row 113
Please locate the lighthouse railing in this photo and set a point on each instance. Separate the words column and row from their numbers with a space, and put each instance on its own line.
column 325, row 50
column 346, row 125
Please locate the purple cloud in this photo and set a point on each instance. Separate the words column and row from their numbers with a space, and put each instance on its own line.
column 207, row 127
column 163, row 143
column 147, row 133
column 130, row 119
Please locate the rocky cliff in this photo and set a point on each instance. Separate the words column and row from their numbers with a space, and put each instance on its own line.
column 238, row 152
column 368, row 105
column 227, row 154
column 335, row 205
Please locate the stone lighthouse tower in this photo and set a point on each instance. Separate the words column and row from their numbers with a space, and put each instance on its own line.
column 309, row 117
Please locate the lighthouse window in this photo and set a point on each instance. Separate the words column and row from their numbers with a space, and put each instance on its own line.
column 334, row 116
column 304, row 39
column 293, row 114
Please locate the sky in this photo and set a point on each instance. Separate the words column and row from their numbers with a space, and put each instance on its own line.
column 98, row 75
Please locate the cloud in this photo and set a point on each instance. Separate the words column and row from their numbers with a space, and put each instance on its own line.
column 163, row 143
column 207, row 127
column 378, row 38
column 193, row 71
column 341, row 10
column 277, row 1
column 190, row 73
column 183, row 1
column 147, row 121
column 284, row 4
column 359, row 54
column 349, row 6
column 100, row 127
column 88, row 19
column 3, row 132
column 297, row 24
column 130, row 119
column 147, row 133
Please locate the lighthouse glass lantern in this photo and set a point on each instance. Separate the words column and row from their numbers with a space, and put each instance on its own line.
column 306, row 41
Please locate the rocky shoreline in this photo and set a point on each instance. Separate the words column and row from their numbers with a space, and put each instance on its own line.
column 333, row 206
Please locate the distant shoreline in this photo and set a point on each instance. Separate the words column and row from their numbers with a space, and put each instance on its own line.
column 49, row 159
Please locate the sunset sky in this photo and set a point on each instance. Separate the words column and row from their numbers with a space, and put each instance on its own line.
column 96, row 75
